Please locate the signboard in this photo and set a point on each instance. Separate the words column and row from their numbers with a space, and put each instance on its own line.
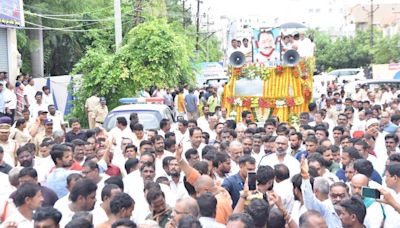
column 394, row 66
column 266, row 45
column 11, row 13
column 212, row 69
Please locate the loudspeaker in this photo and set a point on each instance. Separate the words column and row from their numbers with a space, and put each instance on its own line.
column 291, row 58
column 237, row 59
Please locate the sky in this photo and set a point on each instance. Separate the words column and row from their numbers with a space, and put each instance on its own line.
column 235, row 8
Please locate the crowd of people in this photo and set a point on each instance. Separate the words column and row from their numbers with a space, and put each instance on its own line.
column 195, row 173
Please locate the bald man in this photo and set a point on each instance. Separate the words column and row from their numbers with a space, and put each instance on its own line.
column 205, row 184
column 282, row 157
column 374, row 217
column 235, row 152
column 312, row 218
column 183, row 207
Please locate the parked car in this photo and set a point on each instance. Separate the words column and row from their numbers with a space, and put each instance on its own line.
column 149, row 115
column 371, row 83
column 341, row 76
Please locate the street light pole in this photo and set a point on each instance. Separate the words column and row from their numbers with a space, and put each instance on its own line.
column 118, row 23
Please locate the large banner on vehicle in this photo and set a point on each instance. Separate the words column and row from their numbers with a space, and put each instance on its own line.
column 266, row 45
column 11, row 13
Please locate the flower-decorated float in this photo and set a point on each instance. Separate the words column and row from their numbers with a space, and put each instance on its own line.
column 282, row 87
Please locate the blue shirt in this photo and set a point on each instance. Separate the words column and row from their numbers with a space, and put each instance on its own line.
column 299, row 154
column 375, row 176
column 57, row 181
column 234, row 184
column 191, row 102
column 390, row 128
column 326, row 209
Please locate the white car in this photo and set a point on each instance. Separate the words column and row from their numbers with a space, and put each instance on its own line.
column 344, row 76
column 149, row 115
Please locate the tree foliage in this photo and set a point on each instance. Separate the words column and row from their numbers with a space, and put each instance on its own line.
column 153, row 54
column 354, row 52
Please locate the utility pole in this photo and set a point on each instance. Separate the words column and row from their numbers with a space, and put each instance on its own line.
column 371, row 38
column 208, row 30
column 183, row 13
column 198, row 26
column 118, row 23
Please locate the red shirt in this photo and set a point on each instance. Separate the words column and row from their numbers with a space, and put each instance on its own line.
column 76, row 166
column 113, row 170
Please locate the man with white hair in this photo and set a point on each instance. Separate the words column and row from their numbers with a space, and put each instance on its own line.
column 281, row 157
column 235, row 152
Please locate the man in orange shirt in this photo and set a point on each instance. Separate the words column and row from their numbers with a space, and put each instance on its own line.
column 204, row 183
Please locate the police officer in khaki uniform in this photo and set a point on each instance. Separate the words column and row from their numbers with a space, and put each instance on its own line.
column 101, row 112
column 9, row 146
column 90, row 106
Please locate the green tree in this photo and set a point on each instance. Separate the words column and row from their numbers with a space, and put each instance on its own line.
column 153, row 54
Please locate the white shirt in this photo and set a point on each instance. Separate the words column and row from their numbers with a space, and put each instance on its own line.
column 257, row 156
column 21, row 221
column 117, row 134
column 184, row 138
column 392, row 216
column 234, row 168
column 178, row 190
column 6, row 187
column 10, row 99
column 99, row 215
column 66, row 214
column 291, row 162
column 331, row 177
column 285, row 190
column 188, row 145
column 30, row 92
column 60, row 203
column 374, row 216
column 207, row 222
column 297, row 211
column 48, row 99
column 43, row 167
column 202, row 122
column 58, row 120
column 35, row 108
column 378, row 166
column 159, row 166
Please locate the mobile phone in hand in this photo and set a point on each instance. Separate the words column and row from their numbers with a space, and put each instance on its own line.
column 252, row 180
column 370, row 193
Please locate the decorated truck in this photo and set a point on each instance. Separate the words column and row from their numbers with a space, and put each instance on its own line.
column 277, row 82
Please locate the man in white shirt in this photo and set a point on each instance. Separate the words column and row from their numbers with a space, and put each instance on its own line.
column 196, row 138
column 121, row 130
column 282, row 157
column 83, row 198
column 47, row 96
column 374, row 216
column 235, row 152
column 38, row 105
column 29, row 93
column 57, row 117
column 91, row 171
column 182, row 133
column 392, row 179
column 160, row 154
column 102, row 210
column 28, row 198
column 283, row 186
